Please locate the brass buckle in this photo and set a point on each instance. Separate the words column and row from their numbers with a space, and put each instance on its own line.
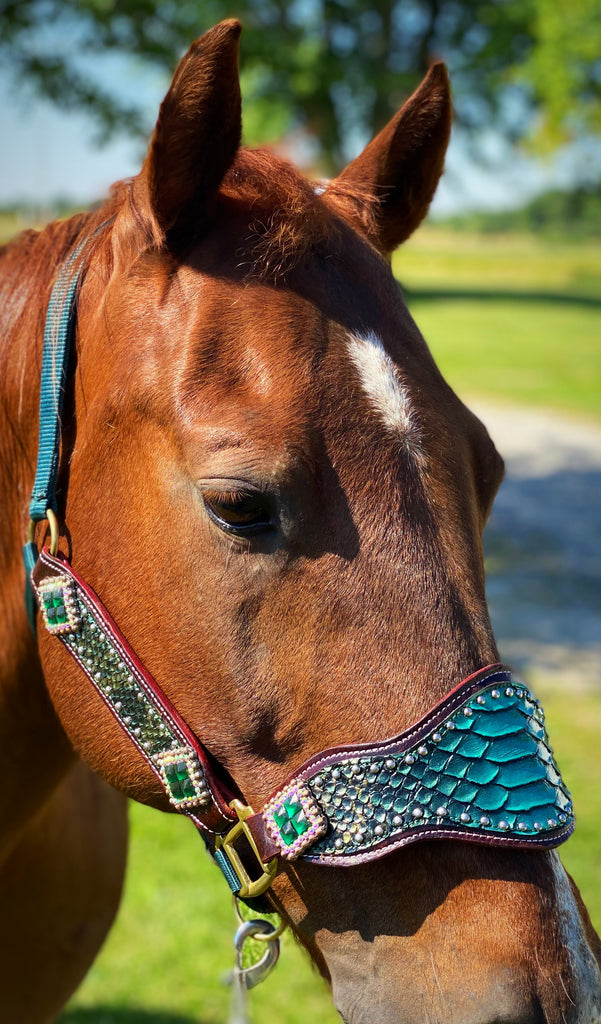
column 249, row 888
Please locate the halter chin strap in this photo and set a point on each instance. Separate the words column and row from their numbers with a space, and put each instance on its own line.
column 477, row 767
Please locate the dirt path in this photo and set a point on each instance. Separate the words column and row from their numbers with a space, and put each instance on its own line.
column 543, row 545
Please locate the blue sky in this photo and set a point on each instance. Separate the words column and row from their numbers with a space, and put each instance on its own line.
column 49, row 154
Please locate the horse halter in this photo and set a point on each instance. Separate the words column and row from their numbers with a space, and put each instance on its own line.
column 478, row 767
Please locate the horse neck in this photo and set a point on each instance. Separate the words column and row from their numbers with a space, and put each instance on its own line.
column 27, row 270
column 32, row 737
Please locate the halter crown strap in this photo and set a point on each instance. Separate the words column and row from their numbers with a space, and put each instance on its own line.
column 58, row 338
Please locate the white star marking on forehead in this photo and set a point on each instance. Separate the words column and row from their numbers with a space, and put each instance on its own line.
column 387, row 394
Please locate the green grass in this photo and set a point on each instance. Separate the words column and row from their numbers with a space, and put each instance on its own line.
column 511, row 318
column 165, row 958
column 532, row 352
column 441, row 258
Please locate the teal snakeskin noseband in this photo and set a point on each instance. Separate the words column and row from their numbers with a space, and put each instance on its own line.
column 478, row 767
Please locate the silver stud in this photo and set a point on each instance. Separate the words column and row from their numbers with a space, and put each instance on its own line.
column 484, row 820
column 519, row 694
column 538, row 825
column 509, row 691
column 130, row 678
column 450, row 725
column 338, row 843
column 137, row 732
column 465, row 816
column 409, row 759
column 126, row 720
column 140, row 695
column 522, row 826
column 495, row 693
column 468, row 712
column 397, row 820
column 389, row 762
column 422, row 751
column 481, row 699
column 441, row 812
column 552, row 822
column 417, row 812
column 436, row 737
column 503, row 825
column 336, row 773
column 378, row 831
column 118, row 705
column 562, row 818
column 97, row 676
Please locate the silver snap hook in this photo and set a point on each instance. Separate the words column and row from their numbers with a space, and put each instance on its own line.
column 256, row 973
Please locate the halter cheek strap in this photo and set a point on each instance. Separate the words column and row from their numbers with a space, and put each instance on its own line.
column 478, row 767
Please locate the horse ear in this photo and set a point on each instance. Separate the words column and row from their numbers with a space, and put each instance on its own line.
column 198, row 130
column 399, row 170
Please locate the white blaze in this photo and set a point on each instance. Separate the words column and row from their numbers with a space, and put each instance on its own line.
column 380, row 380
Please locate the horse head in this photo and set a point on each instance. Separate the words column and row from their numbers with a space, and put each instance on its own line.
column 282, row 503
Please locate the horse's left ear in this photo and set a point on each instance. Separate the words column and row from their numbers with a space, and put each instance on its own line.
column 197, row 133
column 399, row 170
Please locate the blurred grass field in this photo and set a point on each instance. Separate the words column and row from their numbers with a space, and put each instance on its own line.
column 513, row 318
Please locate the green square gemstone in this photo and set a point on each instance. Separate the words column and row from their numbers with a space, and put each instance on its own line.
column 288, row 833
column 300, row 822
column 174, row 783
column 280, row 816
column 188, row 787
column 293, row 806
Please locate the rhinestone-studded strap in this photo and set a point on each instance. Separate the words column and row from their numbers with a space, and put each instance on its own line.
column 478, row 767
column 72, row 612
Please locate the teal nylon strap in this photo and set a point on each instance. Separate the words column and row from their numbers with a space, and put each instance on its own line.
column 58, row 336
column 230, row 875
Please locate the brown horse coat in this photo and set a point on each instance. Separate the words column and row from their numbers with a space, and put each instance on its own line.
column 240, row 333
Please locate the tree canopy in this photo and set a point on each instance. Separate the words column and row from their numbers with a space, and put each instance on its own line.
column 332, row 71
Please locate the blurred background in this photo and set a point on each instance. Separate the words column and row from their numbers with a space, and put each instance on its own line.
column 504, row 280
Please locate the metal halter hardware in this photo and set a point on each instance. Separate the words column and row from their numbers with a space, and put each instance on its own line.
column 477, row 767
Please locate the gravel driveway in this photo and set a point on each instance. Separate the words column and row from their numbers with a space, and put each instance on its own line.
column 543, row 545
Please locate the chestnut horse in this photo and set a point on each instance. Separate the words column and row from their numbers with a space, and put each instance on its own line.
column 245, row 358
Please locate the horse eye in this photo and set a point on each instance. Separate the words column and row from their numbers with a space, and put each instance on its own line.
column 241, row 512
